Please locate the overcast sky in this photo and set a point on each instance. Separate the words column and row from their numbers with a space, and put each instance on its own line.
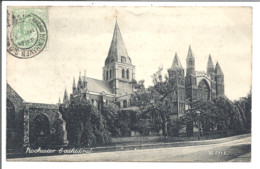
column 79, row 38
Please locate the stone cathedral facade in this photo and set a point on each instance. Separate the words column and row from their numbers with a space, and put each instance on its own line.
column 116, row 85
column 196, row 85
column 119, row 72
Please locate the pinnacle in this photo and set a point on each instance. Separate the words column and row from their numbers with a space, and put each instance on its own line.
column 117, row 48
column 79, row 78
column 218, row 69
column 74, row 83
column 210, row 63
column 176, row 62
column 65, row 98
column 190, row 55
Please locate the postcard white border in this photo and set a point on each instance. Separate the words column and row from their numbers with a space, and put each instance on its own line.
column 65, row 165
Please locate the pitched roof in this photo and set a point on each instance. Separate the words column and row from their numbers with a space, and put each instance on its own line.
column 12, row 93
column 218, row 69
column 176, row 64
column 190, row 55
column 117, row 48
column 95, row 85
column 14, row 97
column 42, row 105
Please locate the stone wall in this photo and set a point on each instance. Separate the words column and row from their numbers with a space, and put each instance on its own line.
column 14, row 127
column 57, row 126
column 18, row 135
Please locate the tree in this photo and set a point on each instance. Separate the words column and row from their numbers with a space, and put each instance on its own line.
column 110, row 112
column 213, row 114
column 220, row 114
column 243, row 113
column 157, row 99
column 86, row 126
column 248, row 111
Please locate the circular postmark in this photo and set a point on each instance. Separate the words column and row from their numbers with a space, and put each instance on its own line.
column 27, row 37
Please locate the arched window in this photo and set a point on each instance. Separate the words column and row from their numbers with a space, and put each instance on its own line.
column 123, row 73
column 110, row 73
column 123, row 59
column 127, row 74
column 119, row 104
column 40, row 131
column 124, row 103
column 92, row 101
column 107, row 75
column 203, row 90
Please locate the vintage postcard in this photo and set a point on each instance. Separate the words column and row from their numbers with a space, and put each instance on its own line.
column 157, row 84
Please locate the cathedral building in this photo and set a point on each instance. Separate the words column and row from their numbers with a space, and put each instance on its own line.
column 119, row 73
column 195, row 85
column 37, row 124
column 116, row 85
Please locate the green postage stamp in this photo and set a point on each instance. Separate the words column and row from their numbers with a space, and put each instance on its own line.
column 26, row 31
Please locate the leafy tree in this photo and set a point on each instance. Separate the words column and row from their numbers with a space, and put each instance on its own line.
column 220, row 114
column 243, row 113
column 85, row 124
column 110, row 113
column 156, row 100
column 248, row 111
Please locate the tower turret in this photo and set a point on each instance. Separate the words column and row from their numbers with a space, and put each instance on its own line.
column 117, row 51
column 176, row 67
column 210, row 66
column 190, row 79
column 219, row 76
column 190, row 61
column 176, row 72
column 118, row 70
column 74, row 88
column 176, row 64
column 211, row 74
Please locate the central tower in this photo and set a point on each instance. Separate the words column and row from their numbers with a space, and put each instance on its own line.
column 118, row 70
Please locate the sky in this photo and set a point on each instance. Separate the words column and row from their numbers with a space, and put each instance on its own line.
column 79, row 39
